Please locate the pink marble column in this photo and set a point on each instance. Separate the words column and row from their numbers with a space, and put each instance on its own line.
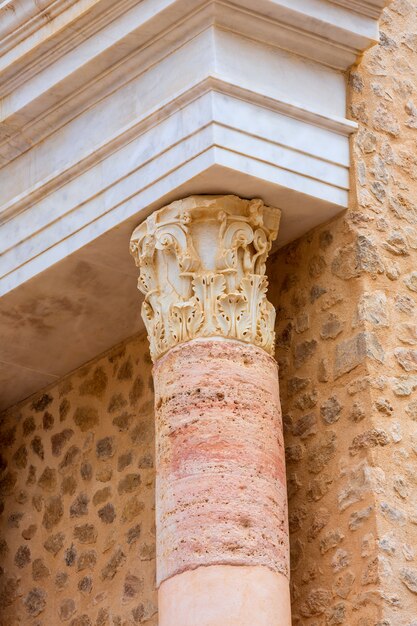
column 221, row 504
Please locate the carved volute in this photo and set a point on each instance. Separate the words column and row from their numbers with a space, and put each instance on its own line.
column 202, row 271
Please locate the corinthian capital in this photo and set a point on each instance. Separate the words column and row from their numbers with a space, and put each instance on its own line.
column 202, row 271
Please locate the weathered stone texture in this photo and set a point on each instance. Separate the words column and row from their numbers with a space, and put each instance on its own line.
column 220, row 456
column 352, row 457
column 77, row 539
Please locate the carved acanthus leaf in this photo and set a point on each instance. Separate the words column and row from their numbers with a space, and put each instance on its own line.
column 202, row 270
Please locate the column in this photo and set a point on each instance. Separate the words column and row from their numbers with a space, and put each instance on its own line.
column 221, row 505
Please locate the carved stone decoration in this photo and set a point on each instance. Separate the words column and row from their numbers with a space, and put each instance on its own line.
column 202, row 271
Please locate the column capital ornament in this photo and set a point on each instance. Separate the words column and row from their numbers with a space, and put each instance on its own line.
column 202, row 271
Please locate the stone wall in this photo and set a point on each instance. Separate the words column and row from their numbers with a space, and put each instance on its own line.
column 77, row 498
column 346, row 296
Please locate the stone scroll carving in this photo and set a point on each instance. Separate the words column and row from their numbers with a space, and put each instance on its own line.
column 202, row 271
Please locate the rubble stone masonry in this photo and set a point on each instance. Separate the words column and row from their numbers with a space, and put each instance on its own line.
column 346, row 298
column 77, row 539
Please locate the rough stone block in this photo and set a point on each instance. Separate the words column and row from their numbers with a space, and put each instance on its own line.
column 353, row 352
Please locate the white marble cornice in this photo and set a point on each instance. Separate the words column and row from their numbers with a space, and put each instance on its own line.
column 370, row 8
column 27, row 25
column 19, row 20
column 80, row 42
column 110, row 110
